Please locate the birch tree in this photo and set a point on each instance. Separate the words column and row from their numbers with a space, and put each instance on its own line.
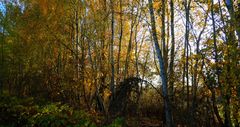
column 168, row 113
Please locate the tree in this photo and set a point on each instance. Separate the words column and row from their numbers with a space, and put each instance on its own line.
column 171, row 69
column 169, row 118
column 216, row 61
column 187, row 4
column 112, row 87
column 120, row 41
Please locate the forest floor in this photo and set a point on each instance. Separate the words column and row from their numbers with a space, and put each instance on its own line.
column 17, row 112
column 144, row 122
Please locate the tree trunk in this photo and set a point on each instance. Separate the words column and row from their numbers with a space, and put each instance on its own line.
column 234, row 17
column 164, row 48
column 187, row 11
column 111, row 51
column 169, row 118
column 77, row 42
column 120, row 44
column 216, row 61
column 2, row 60
column 133, row 21
column 195, row 73
column 171, row 73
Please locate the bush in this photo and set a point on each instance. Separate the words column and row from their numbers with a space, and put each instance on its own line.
column 23, row 112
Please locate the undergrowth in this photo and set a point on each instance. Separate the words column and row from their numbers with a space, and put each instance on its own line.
column 18, row 112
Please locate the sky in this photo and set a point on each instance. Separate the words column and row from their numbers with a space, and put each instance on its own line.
column 14, row 2
column 2, row 8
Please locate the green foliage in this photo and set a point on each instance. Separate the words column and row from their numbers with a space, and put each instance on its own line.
column 118, row 122
column 23, row 112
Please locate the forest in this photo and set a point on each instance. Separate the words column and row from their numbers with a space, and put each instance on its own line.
column 119, row 63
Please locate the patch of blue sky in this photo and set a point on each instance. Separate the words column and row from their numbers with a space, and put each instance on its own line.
column 2, row 8
column 15, row 3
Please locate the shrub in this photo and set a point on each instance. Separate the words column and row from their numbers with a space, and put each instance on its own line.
column 23, row 112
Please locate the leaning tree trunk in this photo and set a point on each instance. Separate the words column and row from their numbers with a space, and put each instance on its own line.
column 169, row 119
